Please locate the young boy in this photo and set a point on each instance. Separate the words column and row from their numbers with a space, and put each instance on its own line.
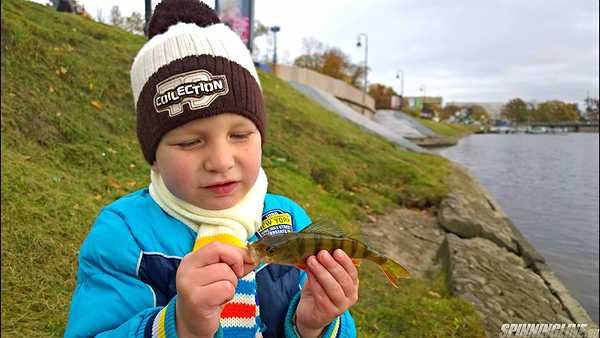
column 170, row 260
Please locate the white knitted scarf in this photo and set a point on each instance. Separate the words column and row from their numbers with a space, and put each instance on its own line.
column 242, row 220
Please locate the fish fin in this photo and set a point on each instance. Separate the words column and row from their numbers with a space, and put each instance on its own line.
column 356, row 261
column 393, row 271
column 301, row 266
column 325, row 229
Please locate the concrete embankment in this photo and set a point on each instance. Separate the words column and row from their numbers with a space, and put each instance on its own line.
column 331, row 103
column 411, row 129
column 487, row 260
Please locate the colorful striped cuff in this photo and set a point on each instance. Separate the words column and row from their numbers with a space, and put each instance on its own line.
column 163, row 325
column 331, row 331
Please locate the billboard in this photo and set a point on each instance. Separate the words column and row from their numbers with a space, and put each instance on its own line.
column 239, row 16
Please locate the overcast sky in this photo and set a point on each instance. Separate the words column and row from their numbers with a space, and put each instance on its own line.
column 465, row 50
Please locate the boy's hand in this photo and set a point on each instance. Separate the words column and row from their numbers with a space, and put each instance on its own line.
column 206, row 280
column 332, row 288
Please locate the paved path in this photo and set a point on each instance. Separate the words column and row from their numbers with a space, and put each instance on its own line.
column 331, row 103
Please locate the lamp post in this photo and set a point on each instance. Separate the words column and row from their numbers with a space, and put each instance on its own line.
column 400, row 75
column 358, row 44
column 424, row 90
column 275, row 30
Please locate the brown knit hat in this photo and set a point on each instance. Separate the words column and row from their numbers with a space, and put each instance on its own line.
column 192, row 66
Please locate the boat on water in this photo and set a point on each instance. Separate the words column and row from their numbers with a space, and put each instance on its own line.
column 537, row 130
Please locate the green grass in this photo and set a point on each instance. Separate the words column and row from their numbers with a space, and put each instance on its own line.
column 449, row 129
column 63, row 159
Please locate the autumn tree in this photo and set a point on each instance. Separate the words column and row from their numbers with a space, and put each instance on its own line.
column 335, row 64
column 449, row 110
column 556, row 111
column 478, row 113
column 330, row 61
column 432, row 108
column 382, row 95
column 516, row 110
column 591, row 109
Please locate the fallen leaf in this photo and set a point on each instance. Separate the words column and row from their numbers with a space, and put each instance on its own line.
column 98, row 197
column 58, row 114
column 434, row 294
column 61, row 71
column 131, row 184
column 372, row 218
column 51, row 89
column 113, row 183
column 96, row 104
column 27, row 158
column 132, row 166
column 91, row 86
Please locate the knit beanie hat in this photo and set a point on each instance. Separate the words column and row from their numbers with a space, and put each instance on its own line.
column 192, row 66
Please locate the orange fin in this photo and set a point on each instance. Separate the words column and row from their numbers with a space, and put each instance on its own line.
column 301, row 266
column 393, row 271
column 356, row 261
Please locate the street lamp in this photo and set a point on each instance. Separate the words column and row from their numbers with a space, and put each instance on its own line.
column 424, row 90
column 359, row 44
column 400, row 75
column 275, row 30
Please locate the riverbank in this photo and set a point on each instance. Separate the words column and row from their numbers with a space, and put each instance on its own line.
column 485, row 258
column 548, row 186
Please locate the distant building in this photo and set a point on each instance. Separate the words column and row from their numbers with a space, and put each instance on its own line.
column 493, row 108
column 418, row 101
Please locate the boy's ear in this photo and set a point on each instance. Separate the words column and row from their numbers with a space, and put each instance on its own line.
column 155, row 167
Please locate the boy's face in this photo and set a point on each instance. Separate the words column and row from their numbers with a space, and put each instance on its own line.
column 210, row 162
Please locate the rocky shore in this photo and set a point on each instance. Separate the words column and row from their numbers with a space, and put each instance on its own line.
column 487, row 260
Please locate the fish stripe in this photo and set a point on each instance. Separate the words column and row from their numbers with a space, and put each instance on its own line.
column 301, row 246
column 318, row 243
column 331, row 244
column 354, row 248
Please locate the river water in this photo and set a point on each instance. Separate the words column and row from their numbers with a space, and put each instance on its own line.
column 548, row 186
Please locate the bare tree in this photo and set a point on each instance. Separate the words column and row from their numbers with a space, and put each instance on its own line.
column 115, row 17
column 134, row 23
column 100, row 16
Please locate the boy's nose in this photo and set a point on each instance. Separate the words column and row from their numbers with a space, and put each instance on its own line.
column 220, row 159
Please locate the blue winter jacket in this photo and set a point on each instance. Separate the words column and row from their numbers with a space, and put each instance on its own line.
column 128, row 264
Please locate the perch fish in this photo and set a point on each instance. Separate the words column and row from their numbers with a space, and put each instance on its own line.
column 294, row 248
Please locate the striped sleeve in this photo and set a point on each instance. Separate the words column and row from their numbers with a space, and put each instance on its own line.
column 342, row 327
column 162, row 324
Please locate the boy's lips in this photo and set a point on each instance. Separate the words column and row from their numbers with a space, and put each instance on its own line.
column 223, row 189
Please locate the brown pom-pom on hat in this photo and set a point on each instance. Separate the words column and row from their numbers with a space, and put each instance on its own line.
column 193, row 66
column 171, row 12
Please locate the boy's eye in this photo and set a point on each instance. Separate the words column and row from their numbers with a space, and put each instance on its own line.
column 241, row 136
column 188, row 143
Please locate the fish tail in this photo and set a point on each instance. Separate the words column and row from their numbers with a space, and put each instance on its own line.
column 393, row 271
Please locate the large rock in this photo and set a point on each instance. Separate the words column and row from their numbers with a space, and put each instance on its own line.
column 469, row 211
column 499, row 284
column 410, row 237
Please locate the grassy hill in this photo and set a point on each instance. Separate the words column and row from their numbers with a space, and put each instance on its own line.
column 69, row 148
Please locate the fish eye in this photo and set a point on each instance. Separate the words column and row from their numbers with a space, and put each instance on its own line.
column 270, row 250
